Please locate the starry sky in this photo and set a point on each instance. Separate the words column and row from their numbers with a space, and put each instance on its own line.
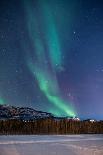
column 51, row 56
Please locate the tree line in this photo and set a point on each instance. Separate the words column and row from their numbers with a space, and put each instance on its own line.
column 50, row 126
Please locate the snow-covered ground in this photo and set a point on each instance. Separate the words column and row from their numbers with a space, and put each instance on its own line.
column 52, row 145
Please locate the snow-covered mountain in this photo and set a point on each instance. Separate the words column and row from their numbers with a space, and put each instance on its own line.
column 22, row 113
column 26, row 113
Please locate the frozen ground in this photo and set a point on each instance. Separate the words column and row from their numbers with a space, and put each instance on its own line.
column 52, row 145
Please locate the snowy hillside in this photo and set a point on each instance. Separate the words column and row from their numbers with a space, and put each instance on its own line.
column 23, row 113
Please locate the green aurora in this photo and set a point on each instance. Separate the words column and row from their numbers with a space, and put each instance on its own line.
column 2, row 101
column 46, row 76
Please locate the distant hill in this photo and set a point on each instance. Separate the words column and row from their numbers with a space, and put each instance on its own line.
column 22, row 113
column 26, row 113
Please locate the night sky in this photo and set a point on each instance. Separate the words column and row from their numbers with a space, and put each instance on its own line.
column 51, row 56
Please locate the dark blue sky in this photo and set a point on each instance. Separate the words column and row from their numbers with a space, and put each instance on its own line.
column 79, row 26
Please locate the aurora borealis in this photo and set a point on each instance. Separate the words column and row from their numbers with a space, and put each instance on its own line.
column 51, row 56
column 47, row 80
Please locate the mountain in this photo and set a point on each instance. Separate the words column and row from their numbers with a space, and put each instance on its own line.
column 26, row 114
column 22, row 113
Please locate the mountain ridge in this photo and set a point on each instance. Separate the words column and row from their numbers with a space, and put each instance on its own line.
column 23, row 113
column 28, row 113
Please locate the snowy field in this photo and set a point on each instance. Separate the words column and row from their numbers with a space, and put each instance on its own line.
column 52, row 145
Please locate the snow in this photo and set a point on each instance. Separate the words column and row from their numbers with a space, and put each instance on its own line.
column 51, row 145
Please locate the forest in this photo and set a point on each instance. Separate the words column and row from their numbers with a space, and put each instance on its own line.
column 50, row 126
